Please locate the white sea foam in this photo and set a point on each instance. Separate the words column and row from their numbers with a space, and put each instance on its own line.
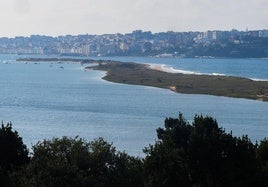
column 254, row 79
column 168, row 69
column 218, row 74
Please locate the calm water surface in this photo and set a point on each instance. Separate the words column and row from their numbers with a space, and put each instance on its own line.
column 250, row 68
column 45, row 100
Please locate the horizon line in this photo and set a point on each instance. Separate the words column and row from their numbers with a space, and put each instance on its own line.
column 83, row 34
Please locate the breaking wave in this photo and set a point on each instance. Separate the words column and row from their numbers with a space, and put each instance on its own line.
column 169, row 69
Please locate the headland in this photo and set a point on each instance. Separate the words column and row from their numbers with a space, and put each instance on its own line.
column 146, row 75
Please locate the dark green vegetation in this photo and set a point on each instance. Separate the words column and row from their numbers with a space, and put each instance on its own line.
column 140, row 74
column 75, row 162
column 196, row 154
column 202, row 154
column 65, row 162
column 13, row 154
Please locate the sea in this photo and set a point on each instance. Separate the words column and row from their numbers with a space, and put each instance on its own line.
column 44, row 100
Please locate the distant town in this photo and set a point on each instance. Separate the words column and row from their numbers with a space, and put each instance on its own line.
column 233, row 44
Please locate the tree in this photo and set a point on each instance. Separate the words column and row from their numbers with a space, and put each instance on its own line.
column 75, row 162
column 57, row 162
column 165, row 163
column 199, row 154
column 262, row 156
column 13, row 153
column 219, row 159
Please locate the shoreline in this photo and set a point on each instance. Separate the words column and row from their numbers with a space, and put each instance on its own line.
column 167, row 69
column 175, row 80
column 217, row 85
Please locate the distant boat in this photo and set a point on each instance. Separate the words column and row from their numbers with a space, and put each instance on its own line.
column 5, row 62
column 62, row 67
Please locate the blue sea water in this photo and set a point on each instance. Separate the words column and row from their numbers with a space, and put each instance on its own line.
column 52, row 100
column 249, row 68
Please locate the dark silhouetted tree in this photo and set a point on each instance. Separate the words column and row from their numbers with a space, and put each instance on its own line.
column 200, row 154
column 13, row 153
column 262, row 156
column 75, row 162
column 165, row 163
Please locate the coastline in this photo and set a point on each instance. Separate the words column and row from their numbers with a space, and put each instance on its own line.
column 162, row 68
column 167, row 69
column 176, row 80
column 217, row 85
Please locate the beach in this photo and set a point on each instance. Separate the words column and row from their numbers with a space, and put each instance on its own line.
column 184, row 81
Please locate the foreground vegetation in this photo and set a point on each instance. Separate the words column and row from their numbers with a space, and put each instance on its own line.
column 186, row 154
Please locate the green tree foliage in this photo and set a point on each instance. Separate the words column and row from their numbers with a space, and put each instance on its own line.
column 186, row 154
column 74, row 162
column 199, row 154
column 165, row 162
column 13, row 153
column 262, row 156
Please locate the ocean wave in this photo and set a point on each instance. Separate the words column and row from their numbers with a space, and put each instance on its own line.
column 255, row 79
column 169, row 69
column 218, row 74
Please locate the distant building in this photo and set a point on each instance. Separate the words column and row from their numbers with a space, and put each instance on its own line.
column 86, row 50
column 123, row 47
column 263, row 33
column 108, row 49
column 214, row 35
column 253, row 33
column 207, row 36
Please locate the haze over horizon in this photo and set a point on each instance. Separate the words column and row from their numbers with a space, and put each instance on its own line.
column 62, row 17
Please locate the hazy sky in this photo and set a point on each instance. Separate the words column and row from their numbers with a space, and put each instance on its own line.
column 61, row 17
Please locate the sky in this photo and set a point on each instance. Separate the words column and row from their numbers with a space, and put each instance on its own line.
column 62, row 17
